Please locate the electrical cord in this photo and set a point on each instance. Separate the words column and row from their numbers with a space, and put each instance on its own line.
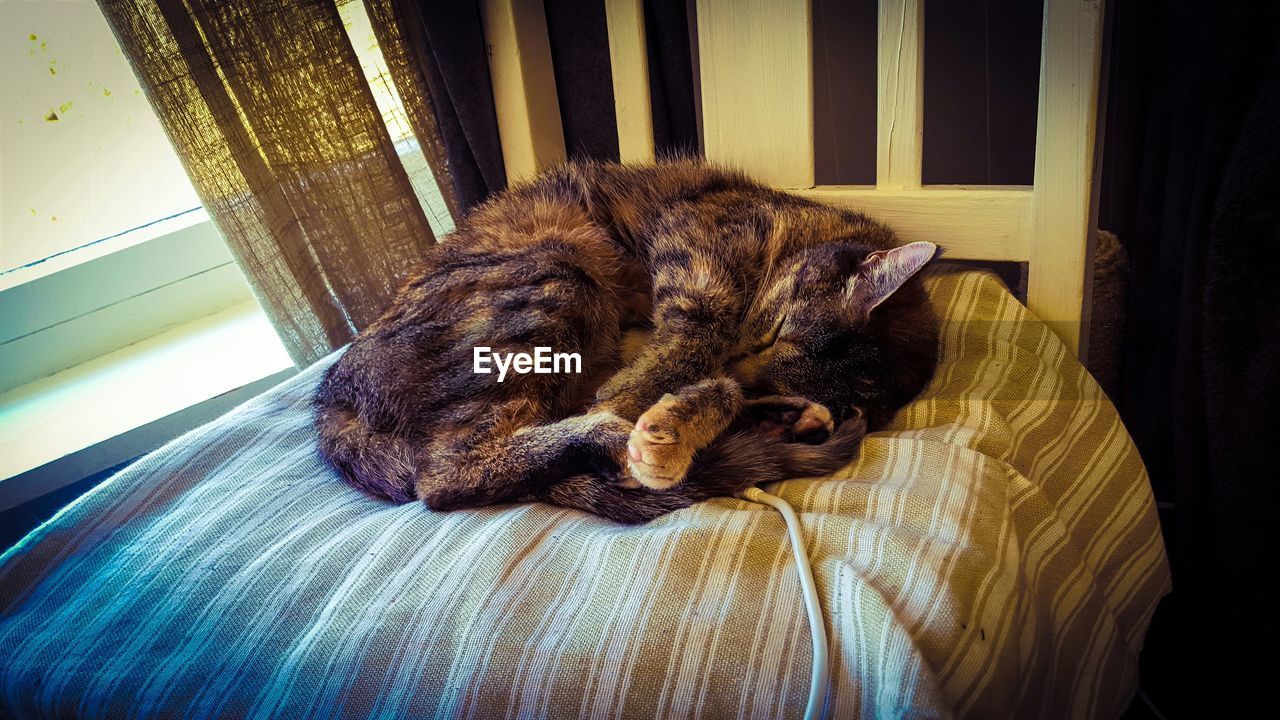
column 1150, row 705
column 817, row 628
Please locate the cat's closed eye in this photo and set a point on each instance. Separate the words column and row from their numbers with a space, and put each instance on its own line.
column 771, row 337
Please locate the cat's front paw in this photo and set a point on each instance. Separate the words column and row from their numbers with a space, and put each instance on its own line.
column 608, row 434
column 789, row 418
column 658, row 453
column 665, row 438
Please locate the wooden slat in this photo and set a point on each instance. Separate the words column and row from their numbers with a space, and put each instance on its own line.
column 1070, row 63
column 900, row 94
column 629, row 60
column 757, row 87
column 524, row 86
column 988, row 223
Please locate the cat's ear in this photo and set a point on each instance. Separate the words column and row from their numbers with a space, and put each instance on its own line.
column 883, row 272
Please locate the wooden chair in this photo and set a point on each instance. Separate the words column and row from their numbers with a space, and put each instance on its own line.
column 755, row 60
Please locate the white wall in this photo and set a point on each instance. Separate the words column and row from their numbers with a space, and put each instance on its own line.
column 104, row 165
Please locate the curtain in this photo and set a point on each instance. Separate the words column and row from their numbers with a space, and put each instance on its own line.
column 441, row 46
column 267, row 108
column 443, row 62
column 408, row 73
column 1193, row 157
column 578, row 34
column 671, row 39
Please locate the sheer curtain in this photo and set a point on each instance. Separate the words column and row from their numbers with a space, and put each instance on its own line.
column 438, row 58
column 270, row 112
column 267, row 107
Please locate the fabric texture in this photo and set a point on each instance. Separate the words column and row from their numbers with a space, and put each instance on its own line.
column 994, row 552
column 409, row 74
column 578, row 36
column 670, row 39
column 266, row 106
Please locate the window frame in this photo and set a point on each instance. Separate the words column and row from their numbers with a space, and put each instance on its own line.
column 100, row 297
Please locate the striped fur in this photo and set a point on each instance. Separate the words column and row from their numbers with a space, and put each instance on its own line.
column 738, row 291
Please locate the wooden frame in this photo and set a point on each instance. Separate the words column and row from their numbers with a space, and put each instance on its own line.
column 757, row 98
column 524, row 86
column 96, row 299
column 629, row 61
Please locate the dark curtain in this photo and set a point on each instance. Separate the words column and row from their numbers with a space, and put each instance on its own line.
column 1192, row 186
column 579, row 37
column 578, row 33
column 670, row 34
column 446, row 42
column 446, row 47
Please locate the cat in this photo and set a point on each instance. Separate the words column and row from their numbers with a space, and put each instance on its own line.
column 729, row 334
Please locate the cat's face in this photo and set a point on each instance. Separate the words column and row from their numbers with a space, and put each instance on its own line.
column 809, row 331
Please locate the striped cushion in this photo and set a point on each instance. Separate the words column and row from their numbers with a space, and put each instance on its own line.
column 996, row 552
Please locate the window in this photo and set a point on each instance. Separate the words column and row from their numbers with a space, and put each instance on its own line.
column 120, row 303
column 356, row 21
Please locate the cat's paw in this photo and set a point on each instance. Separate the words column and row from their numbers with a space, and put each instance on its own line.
column 608, row 435
column 658, row 452
column 663, row 442
column 814, row 418
column 790, row 418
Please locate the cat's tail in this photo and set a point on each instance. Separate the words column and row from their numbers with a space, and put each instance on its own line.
column 380, row 464
column 732, row 463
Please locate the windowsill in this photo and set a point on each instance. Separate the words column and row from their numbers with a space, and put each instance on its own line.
column 129, row 388
column 97, row 249
column 111, row 294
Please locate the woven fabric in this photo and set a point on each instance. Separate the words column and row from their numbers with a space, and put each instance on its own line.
column 268, row 110
column 401, row 51
column 996, row 552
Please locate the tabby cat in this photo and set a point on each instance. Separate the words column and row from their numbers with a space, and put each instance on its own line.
column 729, row 334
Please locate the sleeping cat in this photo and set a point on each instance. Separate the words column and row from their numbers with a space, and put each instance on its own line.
column 729, row 335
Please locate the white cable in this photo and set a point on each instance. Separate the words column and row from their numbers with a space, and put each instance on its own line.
column 818, row 679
